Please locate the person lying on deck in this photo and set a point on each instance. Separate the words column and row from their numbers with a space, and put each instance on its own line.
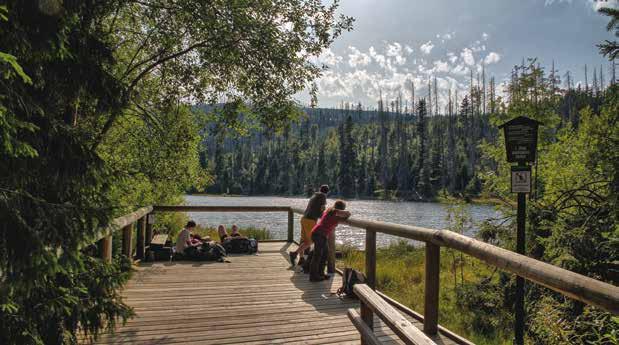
column 321, row 231
column 185, row 238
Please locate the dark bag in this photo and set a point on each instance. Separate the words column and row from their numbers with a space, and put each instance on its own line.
column 240, row 245
column 349, row 279
column 306, row 263
column 205, row 252
column 216, row 251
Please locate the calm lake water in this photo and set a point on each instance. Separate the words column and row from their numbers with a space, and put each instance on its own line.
column 430, row 215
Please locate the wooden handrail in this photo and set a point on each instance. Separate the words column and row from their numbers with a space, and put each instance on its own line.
column 403, row 328
column 574, row 285
column 187, row 208
column 368, row 336
column 119, row 223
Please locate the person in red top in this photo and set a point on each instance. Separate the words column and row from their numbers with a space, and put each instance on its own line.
column 321, row 231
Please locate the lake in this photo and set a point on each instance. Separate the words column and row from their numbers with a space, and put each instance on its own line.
column 430, row 215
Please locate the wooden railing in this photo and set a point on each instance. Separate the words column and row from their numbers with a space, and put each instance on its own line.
column 371, row 302
column 576, row 286
column 145, row 233
column 126, row 223
column 234, row 209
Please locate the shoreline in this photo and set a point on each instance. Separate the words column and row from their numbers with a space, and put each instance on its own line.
column 443, row 200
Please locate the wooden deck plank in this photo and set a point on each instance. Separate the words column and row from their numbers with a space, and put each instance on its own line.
column 252, row 299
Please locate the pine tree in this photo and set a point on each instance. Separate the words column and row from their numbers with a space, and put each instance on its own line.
column 383, row 150
column 346, row 179
column 424, row 186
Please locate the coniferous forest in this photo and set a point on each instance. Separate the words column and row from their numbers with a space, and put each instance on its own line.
column 412, row 147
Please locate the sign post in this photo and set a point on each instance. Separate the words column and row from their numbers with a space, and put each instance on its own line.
column 521, row 146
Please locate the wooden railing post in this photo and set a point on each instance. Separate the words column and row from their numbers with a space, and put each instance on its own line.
column 140, row 243
column 290, row 226
column 127, row 234
column 370, row 257
column 149, row 229
column 105, row 248
column 430, row 311
column 370, row 273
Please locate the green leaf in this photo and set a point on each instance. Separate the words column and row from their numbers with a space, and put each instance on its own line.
column 12, row 60
column 4, row 12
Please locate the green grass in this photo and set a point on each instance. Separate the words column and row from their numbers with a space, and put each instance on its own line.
column 400, row 274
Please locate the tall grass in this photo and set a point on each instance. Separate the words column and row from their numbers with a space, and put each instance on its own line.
column 400, row 272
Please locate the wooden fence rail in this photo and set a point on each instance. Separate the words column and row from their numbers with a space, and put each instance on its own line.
column 576, row 286
column 403, row 328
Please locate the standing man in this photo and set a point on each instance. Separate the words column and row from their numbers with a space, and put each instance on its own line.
column 313, row 212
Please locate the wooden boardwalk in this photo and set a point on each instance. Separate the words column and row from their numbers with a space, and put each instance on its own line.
column 253, row 299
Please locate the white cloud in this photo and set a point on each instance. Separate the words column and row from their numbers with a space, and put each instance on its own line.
column 441, row 66
column 594, row 4
column 426, row 48
column 492, row 58
column 408, row 49
column 329, row 58
column 379, row 58
column 467, row 56
column 400, row 60
column 485, row 36
column 452, row 57
column 394, row 49
column 446, row 37
column 460, row 70
column 597, row 5
column 357, row 58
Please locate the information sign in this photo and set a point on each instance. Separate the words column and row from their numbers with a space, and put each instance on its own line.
column 520, row 139
column 521, row 179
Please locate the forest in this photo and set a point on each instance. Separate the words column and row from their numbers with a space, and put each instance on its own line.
column 412, row 148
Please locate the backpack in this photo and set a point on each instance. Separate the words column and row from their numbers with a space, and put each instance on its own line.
column 349, row 279
column 240, row 245
column 306, row 264
column 216, row 251
column 206, row 252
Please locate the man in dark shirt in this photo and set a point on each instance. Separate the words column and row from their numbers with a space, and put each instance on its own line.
column 313, row 211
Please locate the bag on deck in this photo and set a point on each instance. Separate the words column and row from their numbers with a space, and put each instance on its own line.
column 205, row 252
column 306, row 263
column 240, row 245
column 349, row 279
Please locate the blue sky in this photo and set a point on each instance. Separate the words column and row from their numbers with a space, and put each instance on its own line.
column 396, row 42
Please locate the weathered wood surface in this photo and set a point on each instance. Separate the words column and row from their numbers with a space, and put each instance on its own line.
column 159, row 240
column 367, row 334
column 396, row 321
column 186, row 208
column 253, row 299
column 574, row 285
column 431, row 295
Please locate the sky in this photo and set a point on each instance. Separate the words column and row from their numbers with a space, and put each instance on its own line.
column 396, row 42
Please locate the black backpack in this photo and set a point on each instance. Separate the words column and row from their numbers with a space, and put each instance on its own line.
column 205, row 252
column 240, row 245
column 306, row 264
column 349, row 279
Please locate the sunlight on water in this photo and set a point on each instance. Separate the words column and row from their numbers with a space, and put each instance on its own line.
column 430, row 215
